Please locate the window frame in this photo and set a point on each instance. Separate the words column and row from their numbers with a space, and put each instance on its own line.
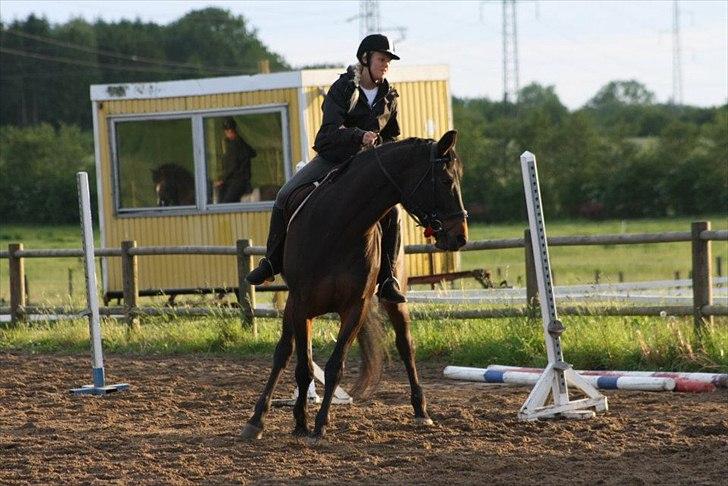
column 198, row 156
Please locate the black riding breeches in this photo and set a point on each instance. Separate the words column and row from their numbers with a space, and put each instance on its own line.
column 316, row 169
column 391, row 241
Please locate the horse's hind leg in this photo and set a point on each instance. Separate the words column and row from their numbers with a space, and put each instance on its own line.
column 350, row 323
column 254, row 428
column 399, row 315
column 304, row 374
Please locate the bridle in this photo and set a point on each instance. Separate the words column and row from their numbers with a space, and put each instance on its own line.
column 430, row 219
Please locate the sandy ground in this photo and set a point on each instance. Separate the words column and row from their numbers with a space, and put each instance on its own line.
column 179, row 424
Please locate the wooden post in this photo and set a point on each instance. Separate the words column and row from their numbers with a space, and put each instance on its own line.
column 246, row 292
column 130, row 279
column 17, row 283
column 531, row 283
column 702, row 277
column 70, row 283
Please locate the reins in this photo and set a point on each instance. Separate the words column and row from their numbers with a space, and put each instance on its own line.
column 430, row 220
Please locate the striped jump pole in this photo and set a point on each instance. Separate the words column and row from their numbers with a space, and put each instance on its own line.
column 99, row 386
column 602, row 382
column 684, row 381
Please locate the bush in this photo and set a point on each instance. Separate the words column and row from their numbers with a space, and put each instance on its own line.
column 38, row 166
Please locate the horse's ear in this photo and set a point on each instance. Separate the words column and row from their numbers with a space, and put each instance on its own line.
column 447, row 142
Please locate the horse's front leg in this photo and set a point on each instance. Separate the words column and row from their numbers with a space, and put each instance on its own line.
column 254, row 428
column 399, row 315
column 351, row 322
column 304, row 374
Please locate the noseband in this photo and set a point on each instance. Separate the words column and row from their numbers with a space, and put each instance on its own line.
column 430, row 219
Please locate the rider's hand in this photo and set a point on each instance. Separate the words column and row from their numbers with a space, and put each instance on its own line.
column 369, row 138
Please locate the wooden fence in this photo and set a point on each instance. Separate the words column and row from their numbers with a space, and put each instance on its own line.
column 700, row 238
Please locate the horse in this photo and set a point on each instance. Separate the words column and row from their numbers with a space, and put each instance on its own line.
column 174, row 185
column 332, row 257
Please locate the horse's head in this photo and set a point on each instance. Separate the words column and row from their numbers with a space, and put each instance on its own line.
column 166, row 193
column 432, row 193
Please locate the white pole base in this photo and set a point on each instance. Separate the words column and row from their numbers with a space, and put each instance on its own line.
column 555, row 382
column 340, row 396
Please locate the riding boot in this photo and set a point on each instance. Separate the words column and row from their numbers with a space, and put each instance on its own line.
column 272, row 263
column 389, row 289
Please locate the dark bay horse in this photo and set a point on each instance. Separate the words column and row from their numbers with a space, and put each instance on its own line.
column 331, row 261
column 174, row 185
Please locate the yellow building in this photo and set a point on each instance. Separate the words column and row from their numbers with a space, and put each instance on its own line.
column 160, row 151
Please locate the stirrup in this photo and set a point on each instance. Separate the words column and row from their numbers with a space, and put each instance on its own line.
column 389, row 291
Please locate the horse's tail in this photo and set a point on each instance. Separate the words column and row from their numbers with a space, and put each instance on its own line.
column 374, row 353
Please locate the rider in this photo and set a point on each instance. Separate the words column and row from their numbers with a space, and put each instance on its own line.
column 360, row 111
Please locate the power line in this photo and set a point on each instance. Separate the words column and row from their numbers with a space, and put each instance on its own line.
column 81, row 62
column 133, row 57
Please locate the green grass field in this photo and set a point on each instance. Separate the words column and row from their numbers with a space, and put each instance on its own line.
column 590, row 342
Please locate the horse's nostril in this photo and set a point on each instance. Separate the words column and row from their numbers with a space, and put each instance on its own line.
column 461, row 240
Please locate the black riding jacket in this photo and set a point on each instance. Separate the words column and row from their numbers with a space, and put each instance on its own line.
column 342, row 130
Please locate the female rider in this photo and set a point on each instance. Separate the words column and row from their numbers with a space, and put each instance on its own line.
column 359, row 110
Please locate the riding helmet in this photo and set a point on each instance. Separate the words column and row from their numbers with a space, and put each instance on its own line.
column 375, row 42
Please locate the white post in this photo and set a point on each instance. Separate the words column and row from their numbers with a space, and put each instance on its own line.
column 97, row 369
column 558, row 374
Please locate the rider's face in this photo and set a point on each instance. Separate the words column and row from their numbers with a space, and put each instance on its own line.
column 379, row 65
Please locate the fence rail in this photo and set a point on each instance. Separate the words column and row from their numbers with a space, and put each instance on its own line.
column 700, row 237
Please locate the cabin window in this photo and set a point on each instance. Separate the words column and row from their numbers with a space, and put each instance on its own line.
column 189, row 162
column 155, row 163
column 244, row 157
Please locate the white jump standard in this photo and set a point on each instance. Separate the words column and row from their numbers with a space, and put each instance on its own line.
column 99, row 386
column 558, row 375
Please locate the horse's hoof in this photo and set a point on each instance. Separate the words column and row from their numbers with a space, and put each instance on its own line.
column 424, row 422
column 251, row 432
column 301, row 431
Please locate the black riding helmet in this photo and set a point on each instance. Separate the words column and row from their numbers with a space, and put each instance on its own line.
column 375, row 42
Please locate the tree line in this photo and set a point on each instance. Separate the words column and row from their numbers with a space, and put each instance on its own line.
column 620, row 155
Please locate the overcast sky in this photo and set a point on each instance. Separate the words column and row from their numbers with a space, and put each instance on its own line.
column 577, row 46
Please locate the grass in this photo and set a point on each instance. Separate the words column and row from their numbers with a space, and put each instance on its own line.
column 589, row 342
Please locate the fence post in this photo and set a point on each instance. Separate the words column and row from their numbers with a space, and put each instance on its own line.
column 702, row 277
column 531, row 282
column 130, row 279
column 17, row 283
column 246, row 292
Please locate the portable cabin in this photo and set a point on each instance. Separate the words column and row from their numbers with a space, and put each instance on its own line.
column 176, row 127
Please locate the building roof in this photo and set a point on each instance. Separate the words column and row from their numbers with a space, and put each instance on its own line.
column 255, row 82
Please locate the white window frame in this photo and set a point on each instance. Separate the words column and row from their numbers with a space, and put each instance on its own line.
column 198, row 148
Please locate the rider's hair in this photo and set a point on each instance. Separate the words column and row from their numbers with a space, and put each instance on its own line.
column 358, row 68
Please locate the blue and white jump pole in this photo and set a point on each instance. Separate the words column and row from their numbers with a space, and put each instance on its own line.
column 99, row 386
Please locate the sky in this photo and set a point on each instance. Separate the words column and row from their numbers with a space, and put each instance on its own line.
column 576, row 46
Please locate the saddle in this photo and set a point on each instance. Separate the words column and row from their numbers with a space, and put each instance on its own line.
column 301, row 195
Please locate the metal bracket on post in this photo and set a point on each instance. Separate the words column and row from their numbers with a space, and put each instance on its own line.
column 558, row 375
